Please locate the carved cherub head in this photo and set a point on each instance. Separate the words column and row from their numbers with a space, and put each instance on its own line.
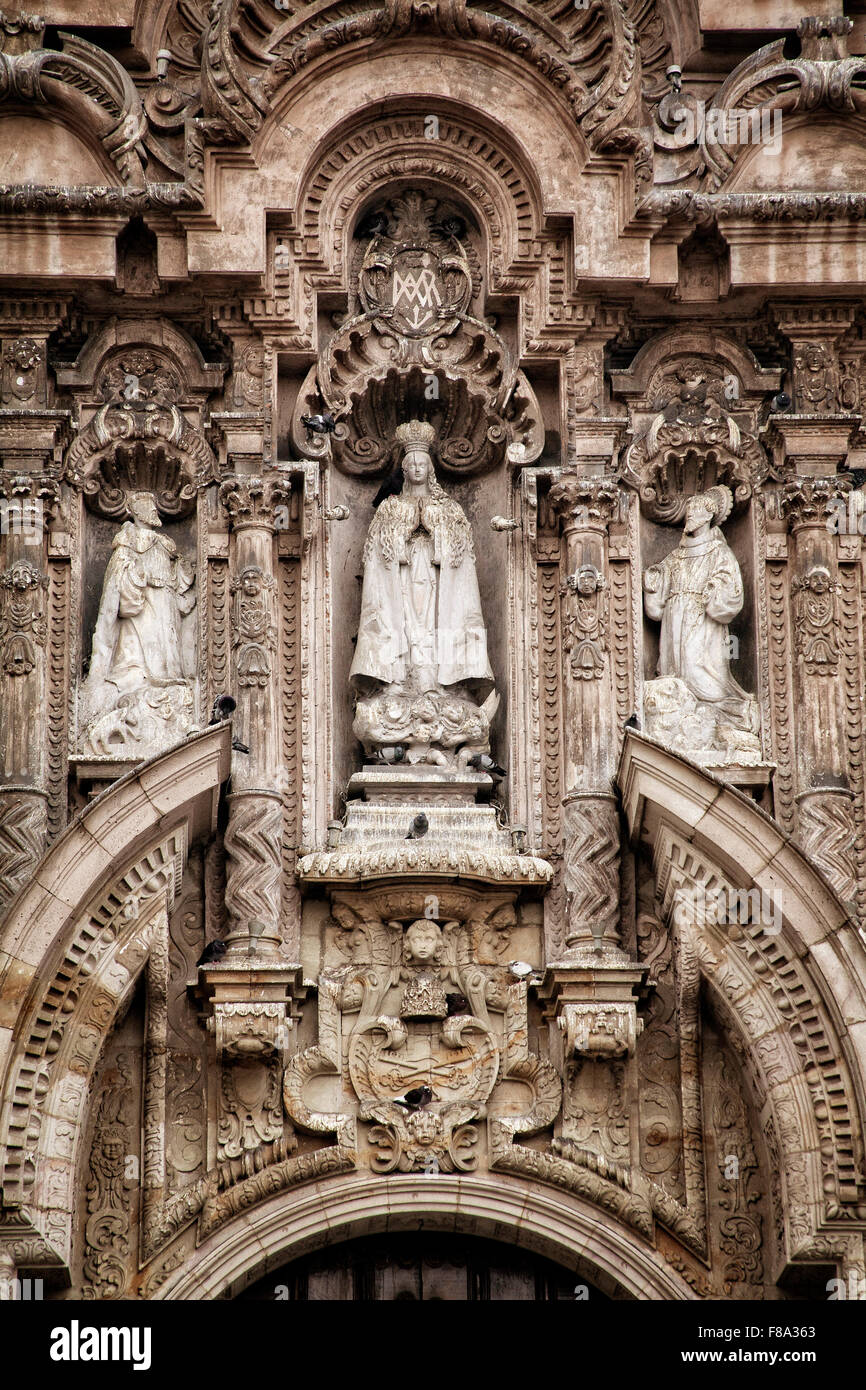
column 251, row 581
column 587, row 579
column 818, row 580
column 422, row 944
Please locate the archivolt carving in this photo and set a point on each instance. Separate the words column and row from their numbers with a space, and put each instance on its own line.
column 106, row 1231
column 470, row 159
column 590, row 56
column 795, row 1053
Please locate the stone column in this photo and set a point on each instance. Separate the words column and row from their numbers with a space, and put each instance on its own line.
column 251, row 987
column 586, row 505
column 825, row 815
column 253, row 835
column 26, row 504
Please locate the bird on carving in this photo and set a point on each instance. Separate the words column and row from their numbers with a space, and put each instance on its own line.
column 392, row 754
column 520, row 969
column 374, row 225
column 632, row 722
column 224, row 707
column 239, row 747
column 483, row 763
column 451, row 226
column 319, row 424
column 415, row 1099
column 457, row 1004
column 419, row 827
column 213, row 951
column 391, row 486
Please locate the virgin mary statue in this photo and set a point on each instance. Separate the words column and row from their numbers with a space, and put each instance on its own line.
column 421, row 668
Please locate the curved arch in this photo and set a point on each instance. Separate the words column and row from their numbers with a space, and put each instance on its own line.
column 550, row 1222
column 71, row 948
column 372, row 149
column 200, row 378
column 797, row 989
column 44, row 147
column 687, row 340
column 95, row 93
column 820, row 151
column 488, row 150
column 589, row 61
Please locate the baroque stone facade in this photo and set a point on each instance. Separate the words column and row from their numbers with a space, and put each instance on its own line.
column 432, row 612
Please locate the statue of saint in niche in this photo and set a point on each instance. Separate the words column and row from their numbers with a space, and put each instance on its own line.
column 138, row 695
column 695, row 705
column 421, row 668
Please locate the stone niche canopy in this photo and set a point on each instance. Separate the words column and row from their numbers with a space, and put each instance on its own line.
column 412, row 348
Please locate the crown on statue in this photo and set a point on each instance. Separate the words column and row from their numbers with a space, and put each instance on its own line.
column 415, row 432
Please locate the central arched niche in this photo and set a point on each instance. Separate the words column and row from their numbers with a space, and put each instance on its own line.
column 436, row 354
column 423, row 1266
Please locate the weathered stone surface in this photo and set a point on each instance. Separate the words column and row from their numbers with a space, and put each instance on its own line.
column 485, row 466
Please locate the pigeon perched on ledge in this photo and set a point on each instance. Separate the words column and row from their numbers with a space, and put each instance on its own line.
column 392, row 754
column 319, row 424
column 214, row 950
column 224, row 707
column 415, row 1099
column 419, row 827
column 483, row 763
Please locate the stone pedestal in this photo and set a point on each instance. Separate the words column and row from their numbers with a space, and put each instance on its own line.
column 463, row 837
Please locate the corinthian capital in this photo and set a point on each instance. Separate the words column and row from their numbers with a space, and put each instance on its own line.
column 585, row 501
column 813, row 501
column 254, row 501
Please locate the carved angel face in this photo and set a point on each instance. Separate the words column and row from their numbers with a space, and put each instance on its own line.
column 587, row 579
column 423, row 941
column 819, row 581
column 251, row 583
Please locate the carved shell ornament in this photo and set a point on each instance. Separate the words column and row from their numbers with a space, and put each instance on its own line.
column 693, row 444
column 139, row 440
column 415, row 350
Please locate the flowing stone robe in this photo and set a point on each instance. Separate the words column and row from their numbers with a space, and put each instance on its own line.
column 138, row 695
column 138, row 639
column 699, row 590
column 421, row 625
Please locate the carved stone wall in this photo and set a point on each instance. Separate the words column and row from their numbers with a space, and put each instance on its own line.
column 611, row 943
